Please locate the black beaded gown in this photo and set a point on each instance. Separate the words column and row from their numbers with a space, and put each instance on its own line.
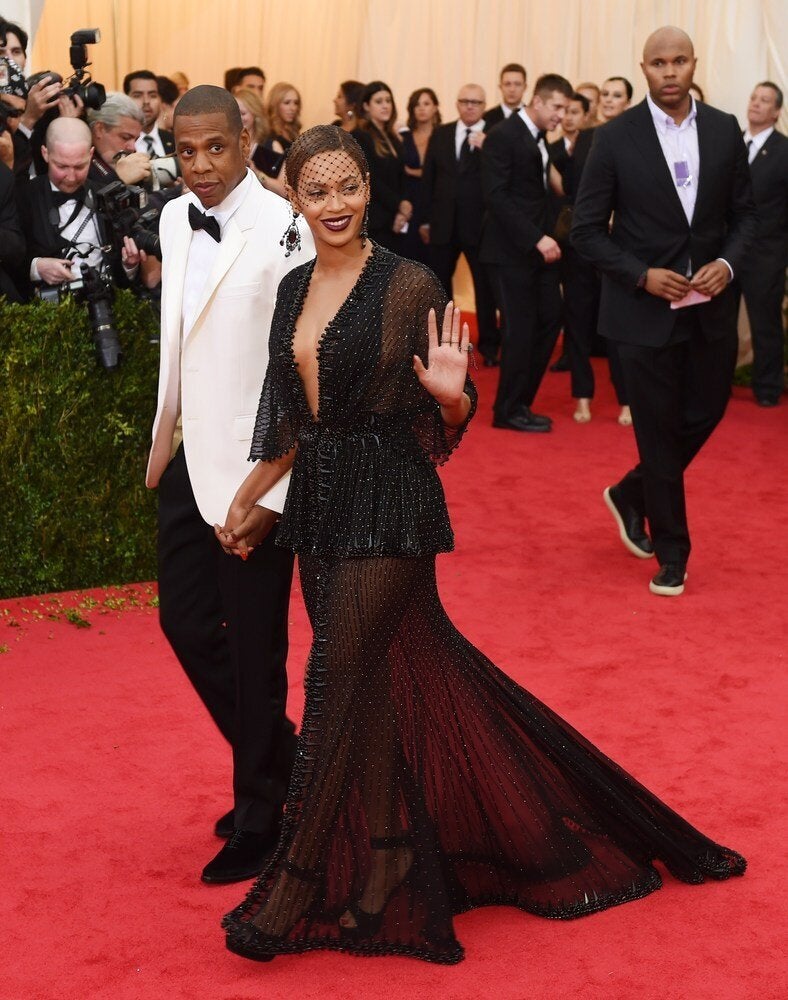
column 426, row 781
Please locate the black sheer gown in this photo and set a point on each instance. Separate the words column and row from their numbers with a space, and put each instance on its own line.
column 426, row 782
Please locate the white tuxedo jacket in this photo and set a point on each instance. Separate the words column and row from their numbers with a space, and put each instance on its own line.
column 211, row 373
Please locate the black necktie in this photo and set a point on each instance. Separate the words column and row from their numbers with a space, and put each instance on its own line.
column 199, row 220
column 749, row 150
column 149, row 144
column 61, row 197
column 465, row 149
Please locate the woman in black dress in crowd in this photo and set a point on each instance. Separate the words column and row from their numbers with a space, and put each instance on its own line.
column 389, row 210
column 347, row 103
column 423, row 118
column 426, row 781
column 284, row 117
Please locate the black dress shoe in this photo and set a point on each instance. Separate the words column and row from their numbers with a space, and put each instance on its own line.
column 243, row 856
column 767, row 400
column 521, row 422
column 536, row 418
column 669, row 582
column 562, row 364
column 631, row 524
column 225, row 825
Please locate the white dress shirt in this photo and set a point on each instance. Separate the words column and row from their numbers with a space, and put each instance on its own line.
column 541, row 143
column 507, row 111
column 461, row 131
column 680, row 146
column 756, row 142
column 158, row 146
column 203, row 248
column 88, row 236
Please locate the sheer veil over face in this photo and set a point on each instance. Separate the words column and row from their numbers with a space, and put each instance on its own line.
column 332, row 193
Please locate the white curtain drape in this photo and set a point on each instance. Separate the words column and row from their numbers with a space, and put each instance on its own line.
column 443, row 44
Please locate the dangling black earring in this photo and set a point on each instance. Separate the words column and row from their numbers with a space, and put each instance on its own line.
column 291, row 239
column 363, row 231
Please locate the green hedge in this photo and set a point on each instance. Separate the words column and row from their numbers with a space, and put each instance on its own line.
column 74, row 511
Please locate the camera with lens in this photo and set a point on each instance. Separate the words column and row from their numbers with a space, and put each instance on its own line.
column 125, row 208
column 6, row 112
column 81, row 84
column 94, row 288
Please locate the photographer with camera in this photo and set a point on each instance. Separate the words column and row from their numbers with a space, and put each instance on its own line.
column 115, row 128
column 65, row 233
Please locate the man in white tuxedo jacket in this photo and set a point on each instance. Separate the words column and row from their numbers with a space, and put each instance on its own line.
column 225, row 618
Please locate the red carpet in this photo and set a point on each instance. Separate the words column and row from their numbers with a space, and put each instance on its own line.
column 113, row 775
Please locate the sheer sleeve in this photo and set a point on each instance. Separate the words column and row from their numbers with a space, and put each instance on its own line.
column 436, row 439
column 276, row 425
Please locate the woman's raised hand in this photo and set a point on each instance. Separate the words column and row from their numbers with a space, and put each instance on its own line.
column 447, row 360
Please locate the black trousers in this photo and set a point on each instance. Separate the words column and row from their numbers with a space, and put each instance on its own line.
column 443, row 260
column 678, row 394
column 529, row 299
column 226, row 620
column 582, row 287
column 763, row 289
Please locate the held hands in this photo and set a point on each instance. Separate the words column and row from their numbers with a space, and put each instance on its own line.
column 444, row 379
column 252, row 526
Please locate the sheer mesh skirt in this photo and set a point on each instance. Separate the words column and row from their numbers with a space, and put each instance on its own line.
column 427, row 782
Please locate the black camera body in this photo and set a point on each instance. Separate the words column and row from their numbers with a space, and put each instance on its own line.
column 81, row 84
column 125, row 207
column 95, row 289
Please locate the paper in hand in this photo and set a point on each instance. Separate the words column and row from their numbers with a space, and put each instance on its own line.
column 692, row 298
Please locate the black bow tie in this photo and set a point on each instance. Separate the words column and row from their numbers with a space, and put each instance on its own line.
column 199, row 220
column 540, row 135
column 61, row 197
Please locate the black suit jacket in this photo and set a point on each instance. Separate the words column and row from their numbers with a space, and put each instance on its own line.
column 514, row 195
column 626, row 176
column 167, row 141
column 453, row 195
column 12, row 242
column 36, row 209
column 494, row 116
column 769, row 173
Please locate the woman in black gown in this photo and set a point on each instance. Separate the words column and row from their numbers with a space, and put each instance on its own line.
column 426, row 782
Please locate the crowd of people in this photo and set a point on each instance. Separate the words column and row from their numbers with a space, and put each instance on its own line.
column 438, row 192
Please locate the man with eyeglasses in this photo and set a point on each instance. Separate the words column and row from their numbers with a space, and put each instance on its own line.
column 451, row 181
column 64, row 233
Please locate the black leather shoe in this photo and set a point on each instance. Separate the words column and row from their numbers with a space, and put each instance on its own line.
column 766, row 400
column 536, row 418
column 243, row 856
column 224, row 825
column 521, row 422
column 562, row 364
column 631, row 525
column 669, row 582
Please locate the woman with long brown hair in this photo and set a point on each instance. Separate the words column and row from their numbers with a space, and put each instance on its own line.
column 390, row 211
column 423, row 118
column 284, row 117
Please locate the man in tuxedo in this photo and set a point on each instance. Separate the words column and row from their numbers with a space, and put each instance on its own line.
column 116, row 126
column 674, row 176
column 142, row 87
column 522, row 256
column 451, row 182
column 57, row 212
column 511, row 84
column 762, row 275
column 225, row 618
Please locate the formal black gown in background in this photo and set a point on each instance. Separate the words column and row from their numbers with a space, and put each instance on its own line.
column 413, row 246
column 426, row 782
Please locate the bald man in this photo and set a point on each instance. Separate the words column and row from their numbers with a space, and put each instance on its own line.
column 63, row 231
column 673, row 174
column 452, row 187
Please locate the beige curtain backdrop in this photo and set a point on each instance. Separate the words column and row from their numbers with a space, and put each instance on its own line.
column 314, row 44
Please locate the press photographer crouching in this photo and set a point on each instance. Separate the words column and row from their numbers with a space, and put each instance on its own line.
column 115, row 128
column 70, row 245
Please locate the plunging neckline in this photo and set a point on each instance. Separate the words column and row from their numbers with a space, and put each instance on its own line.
column 315, row 416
